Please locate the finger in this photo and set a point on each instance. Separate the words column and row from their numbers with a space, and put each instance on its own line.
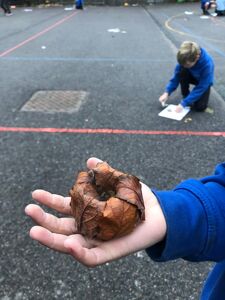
column 57, row 202
column 81, row 250
column 49, row 239
column 65, row 226
column 90, row 256
column 92, row 162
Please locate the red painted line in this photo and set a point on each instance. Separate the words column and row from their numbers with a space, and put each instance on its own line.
column 33, row 37
column 111, row 131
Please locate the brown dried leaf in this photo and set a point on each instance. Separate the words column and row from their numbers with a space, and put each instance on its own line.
column 106, row 203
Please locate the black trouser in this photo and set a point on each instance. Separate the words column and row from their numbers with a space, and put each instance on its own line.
column 205, row 9
column 185, row 80
column 5, row 6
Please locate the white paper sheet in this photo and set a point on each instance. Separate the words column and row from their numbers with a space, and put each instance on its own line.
column 170, row 113
column 69, row 8
column 204, row 17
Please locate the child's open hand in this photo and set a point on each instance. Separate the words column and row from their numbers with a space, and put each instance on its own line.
column 60, row 233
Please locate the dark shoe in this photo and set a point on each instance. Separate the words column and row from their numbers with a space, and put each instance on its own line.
column 220, row 13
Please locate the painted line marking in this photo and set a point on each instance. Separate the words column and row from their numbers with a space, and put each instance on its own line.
column 111, row 131
column 187, row 31
column 35, row 36
column 169, row 27
column 86, row 59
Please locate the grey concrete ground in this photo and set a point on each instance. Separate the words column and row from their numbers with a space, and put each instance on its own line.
column 123, row 73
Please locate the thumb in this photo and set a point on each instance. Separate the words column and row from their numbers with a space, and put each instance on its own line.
column 92, row 162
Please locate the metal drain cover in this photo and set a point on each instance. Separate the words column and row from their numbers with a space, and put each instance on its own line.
column 55, row 101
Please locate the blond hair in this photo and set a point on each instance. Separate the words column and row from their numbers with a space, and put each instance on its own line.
column 188, row 52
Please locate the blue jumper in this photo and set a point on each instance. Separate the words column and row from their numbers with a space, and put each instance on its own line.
column 195, row 217
column 203, row 2
column 202, row 71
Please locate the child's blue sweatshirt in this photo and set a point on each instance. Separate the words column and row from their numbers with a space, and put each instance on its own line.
column 195, row 217
column 203, row 3
column 202, row 71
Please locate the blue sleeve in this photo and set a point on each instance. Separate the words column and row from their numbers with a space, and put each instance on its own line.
column 203, row 2
column 174, row 81
column 195, row 218
column 204, row 82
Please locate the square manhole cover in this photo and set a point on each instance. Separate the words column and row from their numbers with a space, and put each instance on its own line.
column 55, row 101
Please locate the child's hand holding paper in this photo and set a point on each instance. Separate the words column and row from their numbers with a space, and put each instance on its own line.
column 179, row 108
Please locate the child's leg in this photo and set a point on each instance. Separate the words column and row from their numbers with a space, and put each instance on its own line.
column 205, row 12
column 185, row 80
column 202, row 103
column 205, row 8
column 3, row 6
column 6, row 6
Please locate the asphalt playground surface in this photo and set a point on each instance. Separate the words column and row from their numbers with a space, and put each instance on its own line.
column 123, row 74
